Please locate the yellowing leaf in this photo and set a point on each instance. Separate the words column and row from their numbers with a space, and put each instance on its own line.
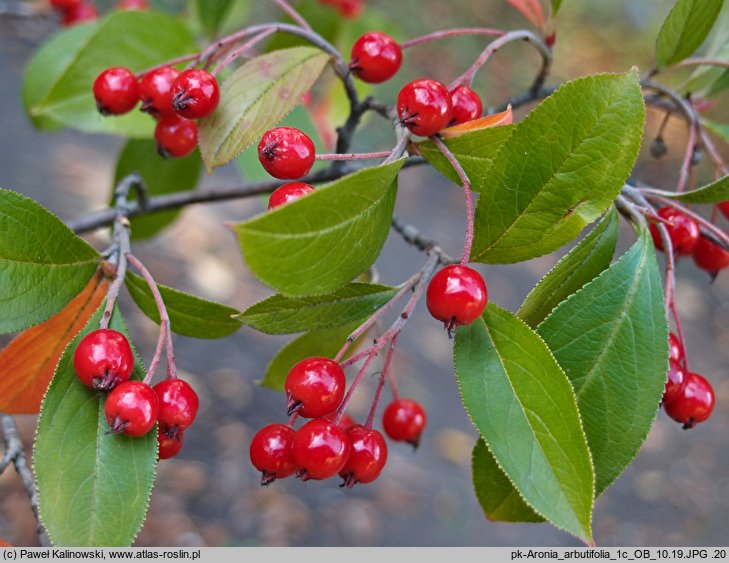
column 495, row 120
column 28, row 362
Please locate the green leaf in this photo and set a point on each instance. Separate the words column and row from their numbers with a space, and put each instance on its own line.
column 687, row 25
column 212, row 14
column 189, row 315
column 255, row 98
column 497, row 496
column 161, row 176
column 721, row 130
column 475, row 151
column 318, row 243
column 93, row 487
column 43, row 265
column 716, row 192
column 523, row 405
column 57, row 87
column 611, row 340
column 325, row 343
column 555, row 6
column 582, row 264
column 560, row 169
column 708, row 80
column 284, row 315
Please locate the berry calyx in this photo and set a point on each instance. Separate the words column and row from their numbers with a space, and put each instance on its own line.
column 710, row 256
column 376, row 57
column 271, row 452
column 178, row 405
column 116, row 91
column 176, row 136
column 675, row 381
column 195, row 94
column 456, row 295
column 82, row 12
column 467, row 105
column 288, row 193
column 695, row 402
column 168, row 447
column 424, row 107
column 286, row 153
column 103, row 359
column 314, row 387
column 683, row 231
column 131, row 408
column 675, row 349
column 367, row 457
column 320, row 449
column 404, row 421
column 155, row 91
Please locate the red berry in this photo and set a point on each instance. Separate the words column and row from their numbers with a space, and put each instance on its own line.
column 131, row 408
column 710, row 256
column 176, row 136
column 155, row 91
column 133, row 5
column 424, row 106
column 286, row 153
column 675, row 349
column 103, row 359
column 456, row 295
column 683, row 231
column 367, row 457
column 116, row 91
column 724, row 208
column 288, row 193
column 467, row 105
column 80, row 13
column 320, row 449
column 347, row 8
column 315, row 387
column 695, row 402
column 64, row 5
column 271, row 452
column 376, row 57
column 178, row 404
column 169, row 447
column 675, row 382
column 404, row 421
column 195, row 94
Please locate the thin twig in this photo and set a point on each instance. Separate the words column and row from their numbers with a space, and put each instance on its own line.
column 456, row 32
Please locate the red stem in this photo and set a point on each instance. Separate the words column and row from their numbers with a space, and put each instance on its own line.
column 293, row 14
column 171, row 62
column 355, row 384
column 686, row 165
column 679, row 333
column 352, row 155
column 451, row 33
column 381, row 384
column 242, row 49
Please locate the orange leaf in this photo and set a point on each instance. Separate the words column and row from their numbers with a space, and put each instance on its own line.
column 494, row 120
column 531, row 9
column 28, row 362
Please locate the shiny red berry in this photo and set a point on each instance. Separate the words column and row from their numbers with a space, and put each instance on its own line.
column 695, row 402
column 288, row 193
column 456, row 295
column 314, row 387
column 82, row 12
column 675, row 382
column 467, row 105
column 424, row 107
column 404, row 421
column 710, row 256
column 675, row 349
column 133, row 5
column 367, row 457
column 169, row 447
column 103, row 359
column 155, row 91
column 320, row 449
column 131, row 408
column 271, row 452
column 116, row 91
column 64, row 5
column 195, row 94
column 683, row 231
column 376, row 57
column 176, row 136
column 286, row 153
column 178, row 405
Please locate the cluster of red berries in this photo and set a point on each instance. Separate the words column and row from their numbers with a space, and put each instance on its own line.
column 686, row 238
column 330, row 443
column 688, row 397
column 80, row 11
column 174, row 99
column 104, row 361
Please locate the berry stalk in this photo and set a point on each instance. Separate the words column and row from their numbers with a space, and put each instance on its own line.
column 380, row 386
column 456, row 32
